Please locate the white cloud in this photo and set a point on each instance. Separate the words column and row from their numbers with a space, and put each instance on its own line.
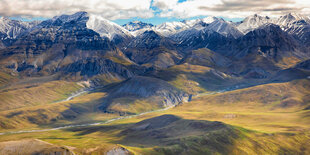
column 231, row 8
column 165, row 4
column 110, row 9
column 190, row 8
column 124, row 9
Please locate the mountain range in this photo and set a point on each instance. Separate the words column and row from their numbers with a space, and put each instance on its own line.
column 137, row 68
column 85, row 46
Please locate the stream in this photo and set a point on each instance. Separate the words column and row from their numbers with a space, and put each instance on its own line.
column 100, row 123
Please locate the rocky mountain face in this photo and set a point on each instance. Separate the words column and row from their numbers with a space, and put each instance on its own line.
column 269, row 40
column 194, row 39
column 153, row 49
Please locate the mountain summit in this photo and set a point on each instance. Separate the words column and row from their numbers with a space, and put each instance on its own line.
column 137, row 25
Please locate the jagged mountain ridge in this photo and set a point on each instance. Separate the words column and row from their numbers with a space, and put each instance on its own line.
column 213, row 23
column 228, row 29
column 109, row 29
column 88, row 38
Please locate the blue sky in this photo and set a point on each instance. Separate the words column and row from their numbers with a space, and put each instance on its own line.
column 156, row 20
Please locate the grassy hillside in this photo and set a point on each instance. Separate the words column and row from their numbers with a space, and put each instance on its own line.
column 5, row 78
column 267, row 108
column 265, row 119
column 25, row 95
column 195, row 79
column 79, row 110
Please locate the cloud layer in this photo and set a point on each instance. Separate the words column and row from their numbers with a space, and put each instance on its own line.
column 231, row 8
column 124, row 9
column 110, row 9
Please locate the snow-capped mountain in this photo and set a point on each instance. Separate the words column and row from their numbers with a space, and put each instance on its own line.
column 82, row 39
column 288, row 20
column 10, row 29
column 97, row 23
column 295, row 24
column 200, row 22
column 202, row 29
column 105, row 27
column 300, row 30
column 252, row 22
column 292, row 23
column 227, row 29
column 170, row 28
column 137, row 25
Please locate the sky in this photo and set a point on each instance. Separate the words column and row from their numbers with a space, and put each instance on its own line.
column 152, row 11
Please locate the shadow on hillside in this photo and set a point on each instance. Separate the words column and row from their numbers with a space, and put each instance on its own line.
column 74, row 113
column 169, row 133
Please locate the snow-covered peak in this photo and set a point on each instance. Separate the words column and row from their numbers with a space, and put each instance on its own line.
column 211, row 23
column 95, row 22
column 227, row 29
column 169, row 28
column 289, row 19
column 140, row 31
column 206, row 20
column 105, row 27
column 252, row 22
column 13, row 28
column 137, row 25
column 296, row 16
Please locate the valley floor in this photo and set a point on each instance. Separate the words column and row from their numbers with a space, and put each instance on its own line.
column 265, row 119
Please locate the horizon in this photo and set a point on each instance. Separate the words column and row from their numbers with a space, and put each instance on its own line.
column 154, row 21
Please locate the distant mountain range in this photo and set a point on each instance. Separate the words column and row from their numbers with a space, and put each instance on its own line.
column 85, row 45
